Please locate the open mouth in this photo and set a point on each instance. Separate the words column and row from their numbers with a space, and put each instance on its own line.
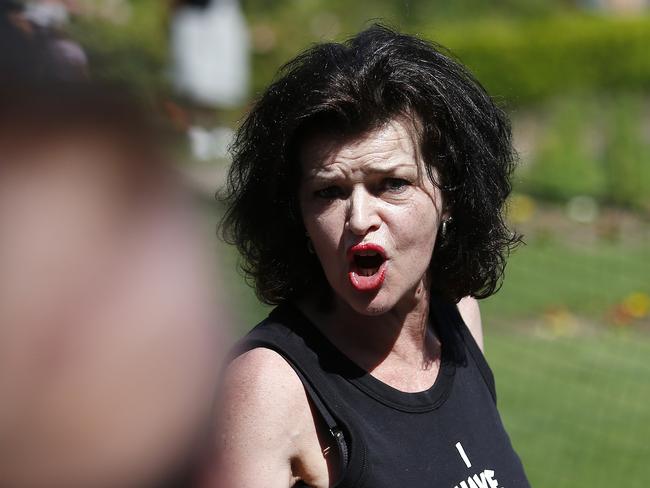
column 367, row 263
column 367, row 266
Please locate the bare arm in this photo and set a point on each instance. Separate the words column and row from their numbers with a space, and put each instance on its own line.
column 469, row 310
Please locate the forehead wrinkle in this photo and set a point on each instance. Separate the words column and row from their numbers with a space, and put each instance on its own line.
column 373, row 159
column 331, row 169
column 383, row 150
column 372, row 165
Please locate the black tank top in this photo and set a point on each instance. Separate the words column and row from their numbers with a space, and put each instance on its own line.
column 449, row 436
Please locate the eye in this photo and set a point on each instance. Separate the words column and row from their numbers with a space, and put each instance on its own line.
column 394, row 185
column 329, row 193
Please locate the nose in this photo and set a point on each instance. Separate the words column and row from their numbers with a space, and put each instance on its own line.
column 363, row 216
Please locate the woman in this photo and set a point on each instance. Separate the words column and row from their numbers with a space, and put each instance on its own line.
column 366, row 196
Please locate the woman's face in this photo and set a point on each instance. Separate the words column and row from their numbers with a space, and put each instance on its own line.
column 372, row 215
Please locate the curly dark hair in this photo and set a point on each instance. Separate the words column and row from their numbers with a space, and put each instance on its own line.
column 351, row 88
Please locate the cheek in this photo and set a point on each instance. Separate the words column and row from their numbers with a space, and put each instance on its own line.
column 325, row 226
column 324, row 223
column 414, row 233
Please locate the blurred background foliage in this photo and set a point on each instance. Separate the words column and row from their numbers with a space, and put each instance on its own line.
column 585, row 74
column 522, row 51
column 568, row 334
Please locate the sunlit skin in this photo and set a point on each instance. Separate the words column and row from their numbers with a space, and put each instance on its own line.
column 375, row 189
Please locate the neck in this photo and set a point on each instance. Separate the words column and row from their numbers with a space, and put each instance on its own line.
column 401, row 335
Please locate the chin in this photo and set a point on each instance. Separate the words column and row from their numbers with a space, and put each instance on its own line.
column 373, row 304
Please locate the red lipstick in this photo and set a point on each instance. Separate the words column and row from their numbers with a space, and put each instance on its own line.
column 367, row 266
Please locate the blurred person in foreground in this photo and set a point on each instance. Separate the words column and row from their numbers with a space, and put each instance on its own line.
column 108, row 346
column 366, row 195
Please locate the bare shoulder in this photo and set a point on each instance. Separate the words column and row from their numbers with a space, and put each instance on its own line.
column 263, row 378
column 259, row 391
column 471, row 314
column 266, row 430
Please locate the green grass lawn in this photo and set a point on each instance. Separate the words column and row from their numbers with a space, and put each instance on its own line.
column 577, row 409
column 588, row 281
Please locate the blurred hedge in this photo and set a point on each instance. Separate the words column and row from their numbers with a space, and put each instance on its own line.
column 596, row 146
column 530, row 60
column 521, row 61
